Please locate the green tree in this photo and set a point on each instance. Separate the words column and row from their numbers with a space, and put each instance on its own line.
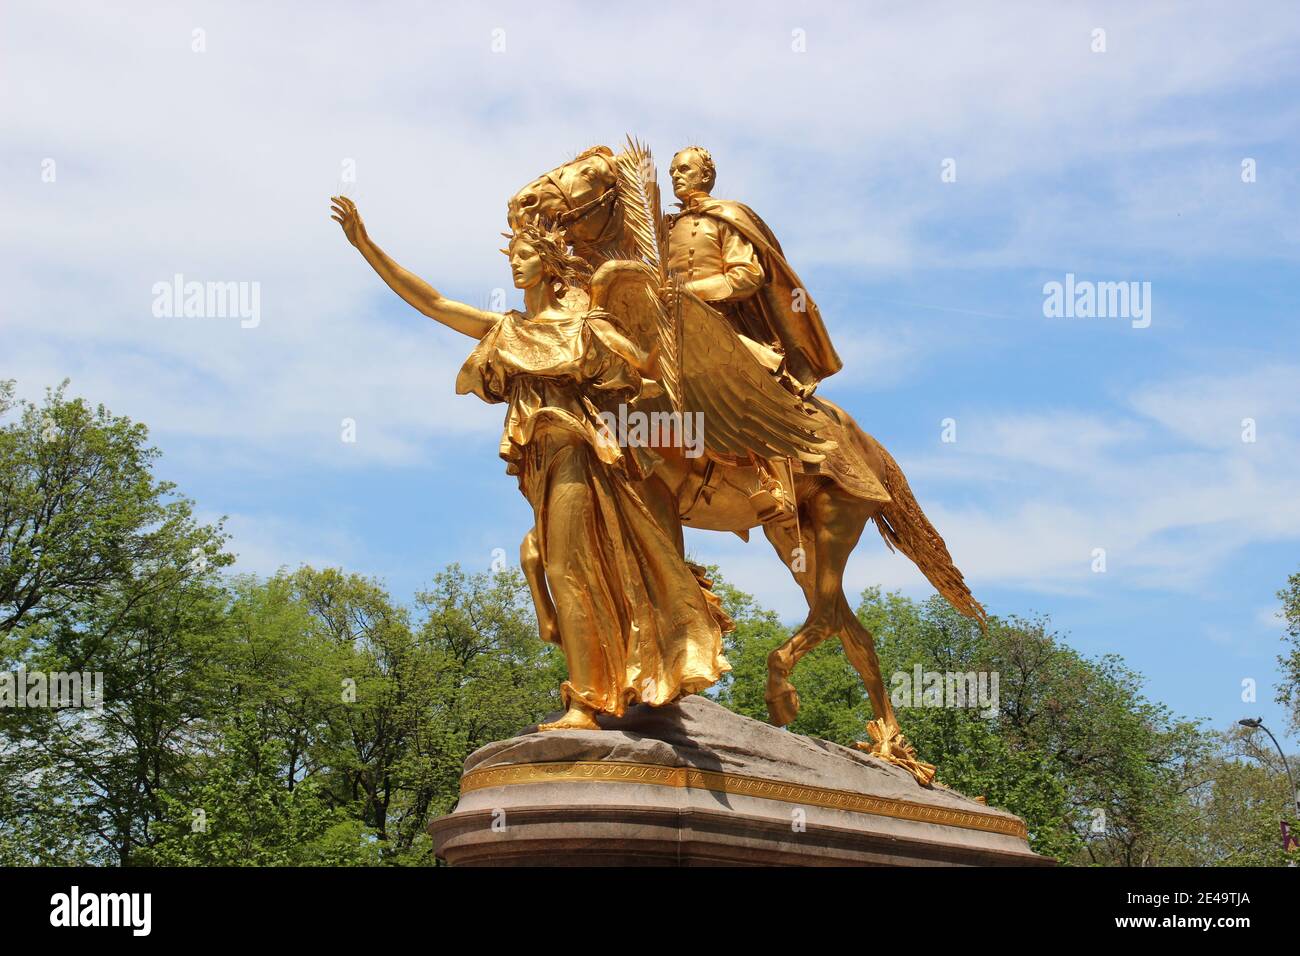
column 1233, row 816
column 102, row 569
column 375, row 712
column 239, row 813
column 42, row 821
column 1099, row 773
column 494, row 674
column 311, row 719
column 1288, row 694
column 81, row 513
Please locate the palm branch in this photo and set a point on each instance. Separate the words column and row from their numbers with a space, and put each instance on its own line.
column 638, row 187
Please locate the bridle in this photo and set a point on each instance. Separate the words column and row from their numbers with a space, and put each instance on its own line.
column 575, row 214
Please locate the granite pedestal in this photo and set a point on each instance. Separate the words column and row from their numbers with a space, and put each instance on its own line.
column 693, row 784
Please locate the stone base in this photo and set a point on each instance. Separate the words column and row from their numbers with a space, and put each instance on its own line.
column 692, row 784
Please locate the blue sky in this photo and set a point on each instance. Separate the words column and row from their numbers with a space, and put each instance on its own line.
column 1072, row 434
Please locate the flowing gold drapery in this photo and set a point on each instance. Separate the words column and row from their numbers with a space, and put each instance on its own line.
column 634, row 624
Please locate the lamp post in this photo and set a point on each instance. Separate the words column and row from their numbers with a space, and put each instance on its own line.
column 1257, row 723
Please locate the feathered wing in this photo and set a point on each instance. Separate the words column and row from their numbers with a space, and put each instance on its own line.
column 746, row 411
column 629, row 291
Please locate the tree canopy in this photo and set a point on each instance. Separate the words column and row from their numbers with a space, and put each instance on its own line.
column 310, row 718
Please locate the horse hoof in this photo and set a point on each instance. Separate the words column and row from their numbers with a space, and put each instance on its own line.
column 778, row 667
column 783, row 706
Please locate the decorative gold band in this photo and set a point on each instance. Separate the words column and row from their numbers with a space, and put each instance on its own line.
column 607, row 771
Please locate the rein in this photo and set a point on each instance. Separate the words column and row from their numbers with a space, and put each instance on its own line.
column 574, row 214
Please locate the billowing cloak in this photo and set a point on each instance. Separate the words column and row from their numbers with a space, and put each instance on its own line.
column 769, row 315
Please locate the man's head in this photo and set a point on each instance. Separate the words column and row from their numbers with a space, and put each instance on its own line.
column 692, row 171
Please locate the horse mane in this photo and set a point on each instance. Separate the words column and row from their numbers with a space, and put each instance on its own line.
column 593, row 151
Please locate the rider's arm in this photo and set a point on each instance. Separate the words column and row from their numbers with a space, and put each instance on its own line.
column 742, row 273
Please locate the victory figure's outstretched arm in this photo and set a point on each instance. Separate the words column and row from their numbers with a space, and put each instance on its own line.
column 418, row 293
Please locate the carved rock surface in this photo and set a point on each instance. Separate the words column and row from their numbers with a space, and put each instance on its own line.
column 696, row 732
column 692, row 784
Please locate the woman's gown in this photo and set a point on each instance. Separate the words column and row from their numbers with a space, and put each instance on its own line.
column 634, row 622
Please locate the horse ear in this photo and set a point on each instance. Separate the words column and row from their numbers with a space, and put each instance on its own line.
column 594, row 151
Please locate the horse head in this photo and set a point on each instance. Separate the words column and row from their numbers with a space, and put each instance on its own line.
column 580, row 196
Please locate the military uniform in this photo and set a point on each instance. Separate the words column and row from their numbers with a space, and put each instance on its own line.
column 726, row 255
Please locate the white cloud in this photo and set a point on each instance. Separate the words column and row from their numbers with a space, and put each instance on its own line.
column 1168, row 493
column 1271, row 617
column 217, row 165
column 265, row 544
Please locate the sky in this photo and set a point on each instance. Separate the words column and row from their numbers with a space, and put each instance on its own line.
column 930, row 168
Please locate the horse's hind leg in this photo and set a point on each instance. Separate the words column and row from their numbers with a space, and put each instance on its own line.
column 887, row 741
column 834, row 523
column 840, row 520
column 860, row 648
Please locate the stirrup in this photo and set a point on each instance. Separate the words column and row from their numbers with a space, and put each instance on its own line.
column 770, row 508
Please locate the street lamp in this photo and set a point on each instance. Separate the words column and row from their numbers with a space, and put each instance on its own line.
column 1257, row 723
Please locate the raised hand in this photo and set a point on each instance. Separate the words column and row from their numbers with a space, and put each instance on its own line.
column 344, row 211
column 417, row 293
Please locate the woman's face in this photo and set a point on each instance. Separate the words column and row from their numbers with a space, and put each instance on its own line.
column 525, row 265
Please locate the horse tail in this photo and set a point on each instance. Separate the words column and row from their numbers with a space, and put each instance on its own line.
column 905, row 528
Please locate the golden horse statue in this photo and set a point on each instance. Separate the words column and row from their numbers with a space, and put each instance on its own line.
column 838, row 476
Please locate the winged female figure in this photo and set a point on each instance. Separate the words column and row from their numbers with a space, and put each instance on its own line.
column 796, row 465
column 635, row 622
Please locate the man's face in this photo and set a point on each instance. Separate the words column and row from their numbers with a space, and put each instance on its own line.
column 687, row 172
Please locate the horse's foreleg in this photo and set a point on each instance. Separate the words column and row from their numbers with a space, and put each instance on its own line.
column 530, row 560
column 799, row 555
